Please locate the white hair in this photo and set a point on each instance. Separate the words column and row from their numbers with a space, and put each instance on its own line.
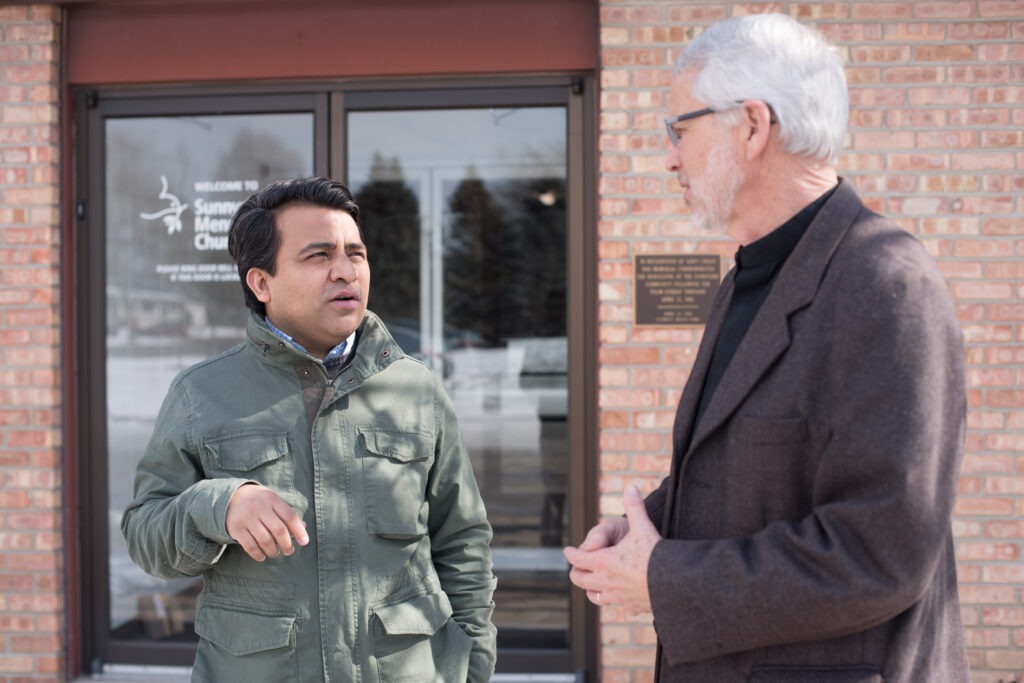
column 775, row 59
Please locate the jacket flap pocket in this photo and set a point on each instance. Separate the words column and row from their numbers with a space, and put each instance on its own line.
column 243, row 633
column 401, row 446
column 245, row 451
column 421, row 615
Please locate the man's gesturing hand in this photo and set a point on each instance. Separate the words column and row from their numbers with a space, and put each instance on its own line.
column 262, row 523
column 611, row 563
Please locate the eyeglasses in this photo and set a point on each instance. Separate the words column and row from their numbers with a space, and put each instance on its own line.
column 670, row 123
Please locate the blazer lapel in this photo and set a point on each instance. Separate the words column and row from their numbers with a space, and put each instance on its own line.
column 768, row 335
column 687, row 406
column 691, row 392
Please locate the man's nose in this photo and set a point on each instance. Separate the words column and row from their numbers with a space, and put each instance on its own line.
column 672, row 158
column 343, row 269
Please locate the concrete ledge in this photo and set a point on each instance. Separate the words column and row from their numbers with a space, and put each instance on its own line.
column 170, row 674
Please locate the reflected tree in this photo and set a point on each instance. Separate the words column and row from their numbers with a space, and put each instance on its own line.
column 505, row 258
column 389, row 217
column 536, row 256
column 474, row 271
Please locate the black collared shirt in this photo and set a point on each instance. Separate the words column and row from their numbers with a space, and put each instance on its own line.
column 757, row 266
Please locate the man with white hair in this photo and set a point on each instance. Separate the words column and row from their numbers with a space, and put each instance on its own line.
column 803, row 534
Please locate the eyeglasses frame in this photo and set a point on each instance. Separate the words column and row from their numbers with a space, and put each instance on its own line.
column 671, row 121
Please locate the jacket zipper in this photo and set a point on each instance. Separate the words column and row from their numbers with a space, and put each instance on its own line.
column 327, row 396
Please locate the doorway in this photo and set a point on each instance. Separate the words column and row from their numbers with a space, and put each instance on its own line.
column 472, row 208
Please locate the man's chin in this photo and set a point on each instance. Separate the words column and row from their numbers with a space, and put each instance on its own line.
column 713, row 228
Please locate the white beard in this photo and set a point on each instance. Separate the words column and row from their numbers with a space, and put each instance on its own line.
column 712, row 193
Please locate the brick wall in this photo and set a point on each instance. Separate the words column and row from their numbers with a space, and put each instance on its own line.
column 31, row 565
column 935, row 143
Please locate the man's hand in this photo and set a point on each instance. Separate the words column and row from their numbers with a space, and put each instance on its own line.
column 262, row 523
column 611, row 563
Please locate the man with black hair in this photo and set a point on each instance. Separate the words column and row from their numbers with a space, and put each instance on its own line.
column 315, row 477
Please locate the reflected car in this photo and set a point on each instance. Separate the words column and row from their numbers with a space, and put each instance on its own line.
column 407, row 333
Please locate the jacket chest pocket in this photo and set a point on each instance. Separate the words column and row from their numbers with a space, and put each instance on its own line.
column 395, row 467
column 259, row 455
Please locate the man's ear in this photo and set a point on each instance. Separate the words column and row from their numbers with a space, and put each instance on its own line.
column 259, row 282
column 757, row 119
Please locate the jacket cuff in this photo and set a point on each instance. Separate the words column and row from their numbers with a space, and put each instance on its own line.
column 209, row 508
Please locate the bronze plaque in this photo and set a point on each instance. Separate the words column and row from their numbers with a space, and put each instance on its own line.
column 674, row 289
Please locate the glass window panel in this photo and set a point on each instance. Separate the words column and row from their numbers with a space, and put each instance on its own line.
column 173, row 298
column 464, row 215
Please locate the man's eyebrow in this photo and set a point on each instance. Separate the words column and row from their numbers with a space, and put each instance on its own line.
column 355, row 246
column 318, row 246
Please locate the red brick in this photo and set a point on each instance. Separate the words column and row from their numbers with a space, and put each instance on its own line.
column 17, row 664
column 987, row 637
column 987, row 551
column 13, row 13
column 875, row 54
column 942, row 10
column 608, row 398
column 945, row 53
column 880, row 10
column 619, row 57
column 703, row 13
column 1003, row 616
column 631, row 442
column 1003, row 595
column 1005, row 659
column 30, row 33
column 987, row 506
column 913, row 74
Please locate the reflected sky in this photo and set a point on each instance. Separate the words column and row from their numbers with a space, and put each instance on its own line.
column 531, row 136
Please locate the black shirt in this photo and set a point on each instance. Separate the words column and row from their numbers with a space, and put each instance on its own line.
column 757, row 266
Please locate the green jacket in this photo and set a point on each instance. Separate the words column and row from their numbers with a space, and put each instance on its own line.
column 395, row 583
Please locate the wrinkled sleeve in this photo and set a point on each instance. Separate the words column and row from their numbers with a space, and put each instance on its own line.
column 460, row 540
column 175, row 524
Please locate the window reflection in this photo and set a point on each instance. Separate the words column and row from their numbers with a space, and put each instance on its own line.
column 172, row 299
column 464, row 216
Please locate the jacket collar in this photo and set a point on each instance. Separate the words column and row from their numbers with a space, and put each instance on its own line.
column 375, row 349
column 768, row 335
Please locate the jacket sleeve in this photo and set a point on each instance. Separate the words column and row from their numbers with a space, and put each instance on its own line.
column 879, row 487
column 460, row 540
column 175, row 525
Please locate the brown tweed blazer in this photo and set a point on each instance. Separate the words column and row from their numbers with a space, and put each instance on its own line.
column 807, row 517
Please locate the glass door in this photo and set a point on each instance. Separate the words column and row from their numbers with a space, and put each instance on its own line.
column 173, row 298
column 464, row 211
column 170, row 297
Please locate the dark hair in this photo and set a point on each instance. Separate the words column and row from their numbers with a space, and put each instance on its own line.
column 253, row 239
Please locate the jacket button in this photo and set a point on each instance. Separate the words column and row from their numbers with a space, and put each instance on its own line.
column 385, row 353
